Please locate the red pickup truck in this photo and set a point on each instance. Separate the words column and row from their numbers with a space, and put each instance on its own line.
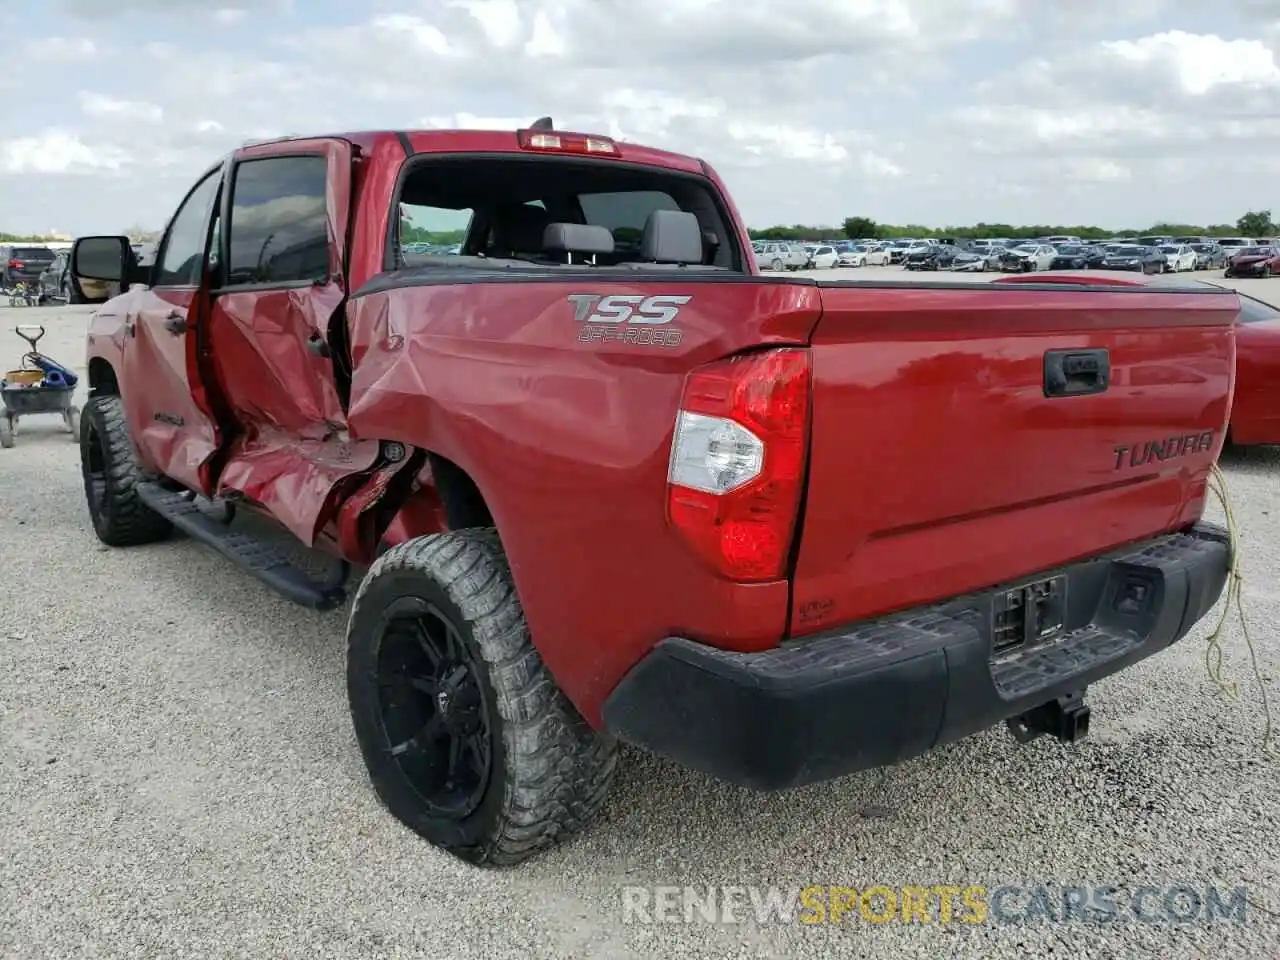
column 604, row 481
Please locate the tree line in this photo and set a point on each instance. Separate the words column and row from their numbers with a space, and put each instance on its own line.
column 1255, row 223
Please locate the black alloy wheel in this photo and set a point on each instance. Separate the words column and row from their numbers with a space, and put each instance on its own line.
column 434, row 709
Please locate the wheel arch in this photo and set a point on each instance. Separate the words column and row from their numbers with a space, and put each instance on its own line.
column 102, row 377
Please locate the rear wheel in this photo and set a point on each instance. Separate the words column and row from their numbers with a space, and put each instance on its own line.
column 776, row 265
column 6, row 431
column 111, row 475
column 466, row 738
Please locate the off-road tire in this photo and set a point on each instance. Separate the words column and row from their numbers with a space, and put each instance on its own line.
column 118, row 515
column 549, row 771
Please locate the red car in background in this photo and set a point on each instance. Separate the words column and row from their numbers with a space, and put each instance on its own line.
column 1255, row 411
column 1253, row 262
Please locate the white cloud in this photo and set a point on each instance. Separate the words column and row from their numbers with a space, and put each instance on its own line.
column 101, row 106
column 925, row 111
column 58, row 152
column 1201, row 63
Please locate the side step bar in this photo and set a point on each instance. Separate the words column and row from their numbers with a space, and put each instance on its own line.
column 248, row 552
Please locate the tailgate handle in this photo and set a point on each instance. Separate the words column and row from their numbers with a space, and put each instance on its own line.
column 1076, row 373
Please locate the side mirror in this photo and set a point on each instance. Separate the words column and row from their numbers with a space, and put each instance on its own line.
column 103, row 267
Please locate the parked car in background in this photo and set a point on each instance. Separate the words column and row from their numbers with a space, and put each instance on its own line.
column 898, row 250
column 55, row 282
column 20, row 263
column 1255, row 411
column 967, row 261
column 917, row 249
column 1179, row 257
column 991, row 255
column 1027, row 257
column 1132, row 256
column 1209, row 256
column 1254, row 262
column 776, row 255
column 852, row 256
column 939, row 256
column 823, row 257
column 1234, row 243
column 879, row 256
column 1069, row 256
column 1094, row 254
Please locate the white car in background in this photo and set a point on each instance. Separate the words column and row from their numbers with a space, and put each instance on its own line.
column 823, row 256
column 854, row 256
column 779, row 255
column 878, row 256
column 1179, row 257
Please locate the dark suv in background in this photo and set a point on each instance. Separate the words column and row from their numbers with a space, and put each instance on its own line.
column 23, row 264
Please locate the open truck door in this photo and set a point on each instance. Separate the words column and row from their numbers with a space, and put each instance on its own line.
column 277, row 331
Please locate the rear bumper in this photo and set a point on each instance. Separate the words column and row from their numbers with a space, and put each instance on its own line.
column 881, row 692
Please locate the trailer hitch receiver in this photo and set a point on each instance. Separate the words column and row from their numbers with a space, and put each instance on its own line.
column 1065, row 719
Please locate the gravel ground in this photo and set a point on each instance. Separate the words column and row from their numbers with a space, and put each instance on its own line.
column 178, row 777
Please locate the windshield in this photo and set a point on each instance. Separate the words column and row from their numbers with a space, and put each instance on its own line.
column 1168, row 249
column 1254, row 251
column 1024, row 247
column 1070, row 248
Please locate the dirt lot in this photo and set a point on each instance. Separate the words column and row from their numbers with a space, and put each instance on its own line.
column 178, row 777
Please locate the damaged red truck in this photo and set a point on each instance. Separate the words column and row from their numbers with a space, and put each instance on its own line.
column 609, row 483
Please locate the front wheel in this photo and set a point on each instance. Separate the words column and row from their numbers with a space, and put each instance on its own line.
column 776, row 265
column 111, row 474
column 1266, row 271
column 465, row 736
column 7, row 432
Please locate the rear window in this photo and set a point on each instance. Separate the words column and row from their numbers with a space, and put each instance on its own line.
column 32, row 253
column 498, row 209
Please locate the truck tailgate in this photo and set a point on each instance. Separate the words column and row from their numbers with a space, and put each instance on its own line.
column 967, row 435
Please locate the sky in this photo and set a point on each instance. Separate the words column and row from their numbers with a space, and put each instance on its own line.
column 1119, row 113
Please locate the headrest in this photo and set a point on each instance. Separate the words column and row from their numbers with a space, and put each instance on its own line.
column 672, row 236
column 576, row 238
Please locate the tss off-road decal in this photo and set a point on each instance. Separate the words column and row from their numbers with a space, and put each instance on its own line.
column 627, row 318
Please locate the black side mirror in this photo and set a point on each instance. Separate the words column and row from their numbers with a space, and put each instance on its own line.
column 104, row 267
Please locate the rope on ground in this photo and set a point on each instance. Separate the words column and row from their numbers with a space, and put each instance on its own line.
column 1233, row 594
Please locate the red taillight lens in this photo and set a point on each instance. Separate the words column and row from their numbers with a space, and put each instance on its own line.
column 15, row 264
column 737, row 462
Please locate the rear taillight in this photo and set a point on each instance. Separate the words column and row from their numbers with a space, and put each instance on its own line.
column 737, row 462
column 15, row 264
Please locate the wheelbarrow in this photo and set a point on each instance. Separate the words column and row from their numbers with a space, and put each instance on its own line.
column 39, row 385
